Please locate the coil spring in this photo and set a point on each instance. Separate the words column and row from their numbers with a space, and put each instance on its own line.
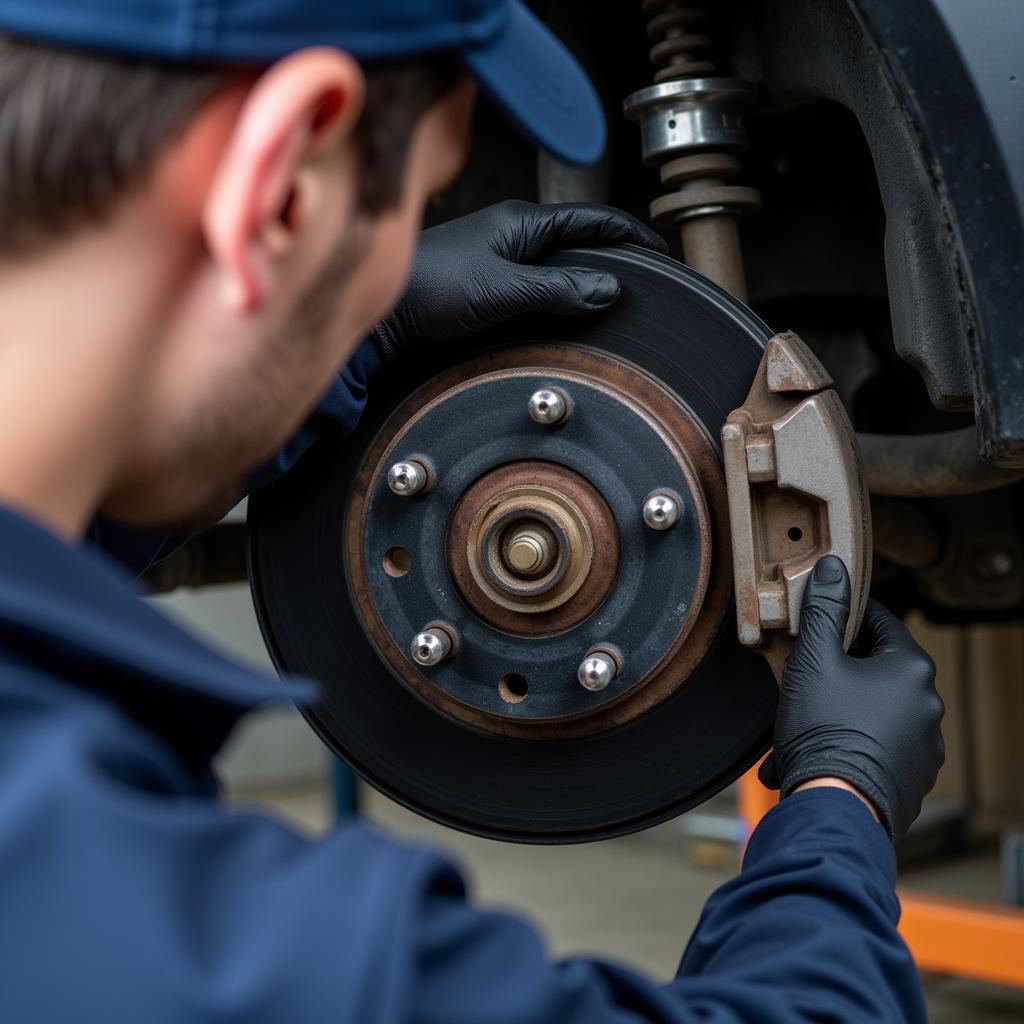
column 685, row 45
column 690, row 125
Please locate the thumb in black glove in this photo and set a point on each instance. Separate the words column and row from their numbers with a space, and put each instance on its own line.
column 871, row 721
column 478, row 271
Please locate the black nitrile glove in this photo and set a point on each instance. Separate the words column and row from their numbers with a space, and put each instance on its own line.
column 871, row 721
column 476, row 272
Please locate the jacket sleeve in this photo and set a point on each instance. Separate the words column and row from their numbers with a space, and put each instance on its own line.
column 807, row 932
column 184, row 913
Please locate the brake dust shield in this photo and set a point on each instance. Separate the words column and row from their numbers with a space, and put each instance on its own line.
column 525, row 549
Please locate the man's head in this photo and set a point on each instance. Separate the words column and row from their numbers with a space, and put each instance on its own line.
column 293, row 198
column 273, row 202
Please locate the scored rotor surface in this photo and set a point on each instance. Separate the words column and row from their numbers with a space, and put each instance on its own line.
column 684, row 745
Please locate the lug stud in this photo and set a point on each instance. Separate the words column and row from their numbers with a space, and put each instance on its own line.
column 408, row 478
column 597, row 670
column 549, row 406
column 662, row 511
column 432, row 646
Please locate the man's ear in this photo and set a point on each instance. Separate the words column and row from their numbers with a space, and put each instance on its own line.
column 300, row 105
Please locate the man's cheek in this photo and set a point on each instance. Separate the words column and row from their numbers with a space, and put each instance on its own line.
column 388, row 265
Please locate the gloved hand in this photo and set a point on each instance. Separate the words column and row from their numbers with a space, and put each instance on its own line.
column 871, row 721
column 476, row 272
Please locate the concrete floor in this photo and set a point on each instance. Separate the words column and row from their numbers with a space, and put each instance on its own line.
column 634, row 899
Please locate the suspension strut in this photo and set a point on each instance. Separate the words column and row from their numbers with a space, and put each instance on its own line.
column 691, row 126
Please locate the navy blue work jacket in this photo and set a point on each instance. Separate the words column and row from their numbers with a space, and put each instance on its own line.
column 130, row 895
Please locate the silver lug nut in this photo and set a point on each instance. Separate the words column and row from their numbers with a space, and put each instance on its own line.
column 597, row 670
column 548, row 406
column 408, row 478
column 432, row 646
column 661, row 511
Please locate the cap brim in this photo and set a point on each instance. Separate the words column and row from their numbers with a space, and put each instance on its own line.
column 541, row 87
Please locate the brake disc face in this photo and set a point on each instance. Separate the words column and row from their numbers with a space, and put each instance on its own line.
column 524, row 546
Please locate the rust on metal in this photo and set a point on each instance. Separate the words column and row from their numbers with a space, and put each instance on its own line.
column 583, row 523
column 796, row 492
column 789, row 365
column 698, row 458
column 705, row 207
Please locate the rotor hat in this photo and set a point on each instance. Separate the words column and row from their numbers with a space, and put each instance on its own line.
column 529, row 74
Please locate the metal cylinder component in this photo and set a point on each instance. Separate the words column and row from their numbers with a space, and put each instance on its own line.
column 929, row 465
column 688, row 114
column 662, row 510
column 530, row 549
column 432, row 646
column 549, row 510
column 408, row 478
column 691, row 123
column 548, row 406
column 597, row 670
column 712, row 247
column 683, row 46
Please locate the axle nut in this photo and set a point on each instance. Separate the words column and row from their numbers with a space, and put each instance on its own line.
column 408, row 478
column 549, row 406
column 662, row 511
column 432, row 646
column 597, row 670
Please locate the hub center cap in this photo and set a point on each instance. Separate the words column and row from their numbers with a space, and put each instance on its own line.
column 522, row 542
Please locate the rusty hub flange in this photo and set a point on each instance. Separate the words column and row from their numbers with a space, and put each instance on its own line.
column 689, row 612
column 579, row 581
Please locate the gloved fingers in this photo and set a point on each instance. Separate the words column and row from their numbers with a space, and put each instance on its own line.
column 769, row 774
column 565, row 224
column 566, row 291
column 825, row 611
column 882, row 633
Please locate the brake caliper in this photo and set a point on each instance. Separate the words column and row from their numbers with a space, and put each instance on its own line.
column 796, row 492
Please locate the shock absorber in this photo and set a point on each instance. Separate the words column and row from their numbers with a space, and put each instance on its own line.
column 691, row 126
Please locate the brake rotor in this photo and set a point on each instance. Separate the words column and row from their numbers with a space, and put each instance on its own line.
column 516, row 541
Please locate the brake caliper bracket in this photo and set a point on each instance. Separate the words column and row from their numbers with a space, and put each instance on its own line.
column 796, row 492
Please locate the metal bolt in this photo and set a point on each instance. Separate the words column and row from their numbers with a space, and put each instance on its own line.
column 661, row 511
column 529, row 549
column 432, row 646
column 408, row 478
column 597, row 670
column 548, row 406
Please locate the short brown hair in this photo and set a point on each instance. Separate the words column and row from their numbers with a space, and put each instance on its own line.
column 78, row 130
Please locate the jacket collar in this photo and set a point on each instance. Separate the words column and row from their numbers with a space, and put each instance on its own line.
column 77, row 616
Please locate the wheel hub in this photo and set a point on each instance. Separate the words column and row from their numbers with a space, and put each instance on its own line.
column 550, row 555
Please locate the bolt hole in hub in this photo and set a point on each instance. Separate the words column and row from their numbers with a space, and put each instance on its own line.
column 397, row 562
column 582, row 675
column 795, row 534
column 513, row 688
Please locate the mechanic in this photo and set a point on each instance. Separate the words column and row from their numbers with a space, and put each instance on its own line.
column 206, row 207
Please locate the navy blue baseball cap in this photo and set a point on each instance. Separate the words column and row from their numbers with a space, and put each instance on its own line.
column 516, row 59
